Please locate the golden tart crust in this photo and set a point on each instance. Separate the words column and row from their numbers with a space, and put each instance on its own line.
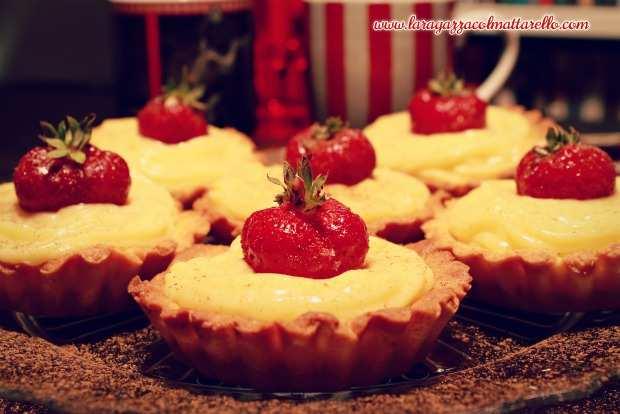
column 459, row 185
column 536, row 280
column 92, row 279
column 314, row 351
column 88, row 282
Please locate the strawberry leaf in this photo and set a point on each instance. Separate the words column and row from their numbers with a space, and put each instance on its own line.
column 300, row 188
column 275, row 181
column 58, row 153
column 556, row 139
column 54, row 142
column 326, row 131
column 305, row 172
column 69, row 138
column 288, row 174
column 49, row 127
column 187, row 91
column 62, row 130
column 87, row 122
column 446, row 84
column 77, row 156
column 74, row 125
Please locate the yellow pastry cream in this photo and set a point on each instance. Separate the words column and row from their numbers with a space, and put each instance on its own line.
column 456, row 157
column 387, row 196
column 496, row 218
column 181, row 167
column 149, row 217
column 393, row 276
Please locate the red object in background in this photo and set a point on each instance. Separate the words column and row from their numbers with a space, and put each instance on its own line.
column 153, row 53
column 280, row 71
column 380, row 54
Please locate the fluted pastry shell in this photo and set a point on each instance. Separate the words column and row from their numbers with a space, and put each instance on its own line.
column 314, row 351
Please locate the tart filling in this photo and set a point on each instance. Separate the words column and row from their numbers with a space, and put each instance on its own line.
column 394, row 276
column 388, row 196
column 456, row 157
column 180, row 167
column 494, row 217
column 149, row 217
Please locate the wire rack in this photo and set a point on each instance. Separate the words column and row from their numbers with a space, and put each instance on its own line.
column 79, row 330
column 163, row 365
column 448, row 355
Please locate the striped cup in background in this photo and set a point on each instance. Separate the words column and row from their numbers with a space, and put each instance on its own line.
column 359, row 74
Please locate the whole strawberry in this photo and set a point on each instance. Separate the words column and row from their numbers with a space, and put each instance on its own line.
column 446, row 106
column 68, row 170
column 175, row 116
column 565, row 168
column 341, row 153
column 307, row 234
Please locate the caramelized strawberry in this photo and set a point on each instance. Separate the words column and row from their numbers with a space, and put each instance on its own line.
column 565, row 168
column 341, row 153
column 69, row 170
column 175, row 116
column 307, row 234
column 446, row 106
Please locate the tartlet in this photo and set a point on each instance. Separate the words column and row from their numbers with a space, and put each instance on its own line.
column 304, row 299
column 185, row 168
column 458, row 161
column 393, row 205
column 531, row 253
column 80, row 259
column 304, row 350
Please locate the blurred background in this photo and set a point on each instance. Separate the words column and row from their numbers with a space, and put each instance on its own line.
column 61, row 57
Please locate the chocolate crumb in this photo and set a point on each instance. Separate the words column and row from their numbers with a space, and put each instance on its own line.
column 502, row 375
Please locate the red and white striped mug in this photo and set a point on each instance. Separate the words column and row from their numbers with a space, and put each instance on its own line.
column 359, row 73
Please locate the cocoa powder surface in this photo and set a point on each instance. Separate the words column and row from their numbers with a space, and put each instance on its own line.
column 577, row 371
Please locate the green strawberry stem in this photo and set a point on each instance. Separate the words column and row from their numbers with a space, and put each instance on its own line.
column 446, row 84
column 556, row 139
column 300, row 188
column 331, row 126
column 187, row 91
column 69, row 138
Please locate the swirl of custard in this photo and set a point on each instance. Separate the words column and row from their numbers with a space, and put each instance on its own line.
column 393, row 276
column 180, row 167
column 455, row 157
column 496, row 218
column 150, row 216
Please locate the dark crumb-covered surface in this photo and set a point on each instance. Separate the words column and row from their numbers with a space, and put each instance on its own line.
column 504, row 375
column 10, row 407
column 606, row 400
